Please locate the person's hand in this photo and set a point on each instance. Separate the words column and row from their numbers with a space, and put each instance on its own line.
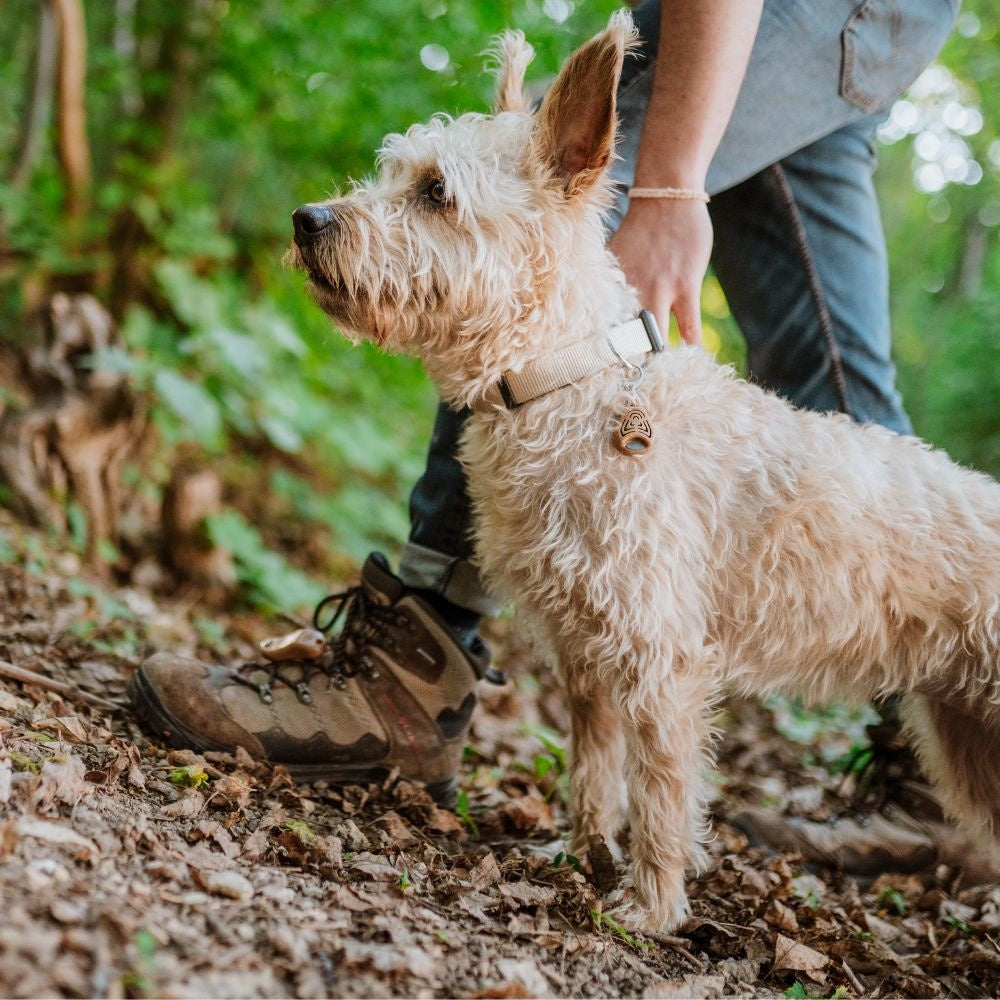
column 664, row 247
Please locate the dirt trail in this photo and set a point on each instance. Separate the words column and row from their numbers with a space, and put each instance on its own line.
column 127, row 869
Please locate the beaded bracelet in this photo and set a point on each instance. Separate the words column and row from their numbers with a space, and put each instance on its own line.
column 678, row 194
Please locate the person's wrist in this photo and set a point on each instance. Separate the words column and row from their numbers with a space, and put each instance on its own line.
column 668, row 194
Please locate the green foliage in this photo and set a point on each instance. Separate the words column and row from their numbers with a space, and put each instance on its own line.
column 944, row 255
column 205, row 134
column 271, row 582
column 803, row 724
column 209, row 122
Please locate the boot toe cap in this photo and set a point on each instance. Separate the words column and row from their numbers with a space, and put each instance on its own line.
column 178, row 698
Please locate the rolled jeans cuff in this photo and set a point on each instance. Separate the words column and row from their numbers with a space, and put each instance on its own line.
column 455, row 579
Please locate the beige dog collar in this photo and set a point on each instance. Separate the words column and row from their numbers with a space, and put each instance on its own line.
column 627, row 342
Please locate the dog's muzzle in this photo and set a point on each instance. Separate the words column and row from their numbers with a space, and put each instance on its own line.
column 311, row 221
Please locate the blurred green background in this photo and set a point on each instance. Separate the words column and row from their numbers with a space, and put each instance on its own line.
column 209, row 121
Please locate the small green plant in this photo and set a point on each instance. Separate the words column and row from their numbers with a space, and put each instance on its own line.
column 894, row 898
column 565, row 859
column 138, row 981
column 549, row 769
column 405, row 882
column 604, row 921
column 22, row 763
column 958, row 924
column 798, row 992
column 855, row 761
column 190, row 776
column 301, row 829
column 462, row 812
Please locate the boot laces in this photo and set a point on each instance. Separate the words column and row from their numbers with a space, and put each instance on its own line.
column 363, row 623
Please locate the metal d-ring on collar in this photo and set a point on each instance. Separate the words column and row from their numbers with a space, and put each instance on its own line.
column 631, row 384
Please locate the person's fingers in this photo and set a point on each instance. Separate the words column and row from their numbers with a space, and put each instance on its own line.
column 687, row 309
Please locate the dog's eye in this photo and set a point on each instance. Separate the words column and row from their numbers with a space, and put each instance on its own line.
column 436, row 192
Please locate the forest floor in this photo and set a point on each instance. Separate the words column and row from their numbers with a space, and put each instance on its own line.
column 129, row 869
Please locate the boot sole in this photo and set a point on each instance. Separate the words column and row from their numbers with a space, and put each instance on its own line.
column 150, row 709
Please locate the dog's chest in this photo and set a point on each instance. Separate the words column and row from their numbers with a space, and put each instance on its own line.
column 551, row 492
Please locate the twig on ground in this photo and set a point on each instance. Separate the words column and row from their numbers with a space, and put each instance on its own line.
column 856, row 984
column 25, row 676
column 679, row 945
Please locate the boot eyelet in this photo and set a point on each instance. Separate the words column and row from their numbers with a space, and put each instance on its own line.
column 340, row 682
column 302, row 693
column 265, row 693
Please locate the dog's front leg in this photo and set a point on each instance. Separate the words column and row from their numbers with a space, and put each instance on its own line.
column 665, row 719
column 596, row 756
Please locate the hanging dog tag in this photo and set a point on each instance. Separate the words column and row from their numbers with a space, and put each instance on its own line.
column 302, row 644
column 634, row 436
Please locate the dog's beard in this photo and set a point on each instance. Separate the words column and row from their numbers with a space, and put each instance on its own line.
column 328, row 291
column 355, row 314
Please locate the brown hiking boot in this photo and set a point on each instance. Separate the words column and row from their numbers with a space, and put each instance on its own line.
column 894, row 840
column 393, row 687
column 895, row 825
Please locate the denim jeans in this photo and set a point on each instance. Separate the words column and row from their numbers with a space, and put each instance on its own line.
column 799, row 248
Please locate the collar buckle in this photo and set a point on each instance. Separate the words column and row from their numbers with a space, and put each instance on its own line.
column 652, row 330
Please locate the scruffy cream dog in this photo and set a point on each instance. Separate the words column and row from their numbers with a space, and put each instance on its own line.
column 755, row 546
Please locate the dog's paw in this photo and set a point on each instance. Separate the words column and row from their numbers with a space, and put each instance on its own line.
column 630, row 911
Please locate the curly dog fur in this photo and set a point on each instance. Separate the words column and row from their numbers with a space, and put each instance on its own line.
column 758, row 547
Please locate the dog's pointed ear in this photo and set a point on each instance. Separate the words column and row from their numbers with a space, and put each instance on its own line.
column 575, row 134
column 512, row 54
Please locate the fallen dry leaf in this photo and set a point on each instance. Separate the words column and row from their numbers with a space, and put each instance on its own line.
column 781, row 916
column 526, row 814
column 66, row 727
column 396, row 829
column 486, row 872
column 189, row 804
column 442, row 821
column 231, row 790
column 62, row 782
column 789, row 954
column 526, row 894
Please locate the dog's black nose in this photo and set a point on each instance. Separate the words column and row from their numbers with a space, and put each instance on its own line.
column 310, row 221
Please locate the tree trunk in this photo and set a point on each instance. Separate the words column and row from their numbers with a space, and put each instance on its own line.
column 73, row 147
column 39, row 105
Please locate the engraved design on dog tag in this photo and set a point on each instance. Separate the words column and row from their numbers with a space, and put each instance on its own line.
column 634, row 435
column 302, row 644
